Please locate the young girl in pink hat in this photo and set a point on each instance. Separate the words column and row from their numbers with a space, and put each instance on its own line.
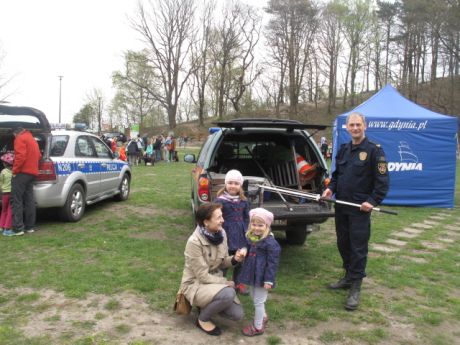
column 235, row 210
column 260, row 266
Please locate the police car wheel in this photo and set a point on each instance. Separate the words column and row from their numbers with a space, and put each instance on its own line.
column 123, row 189
column 74, row 208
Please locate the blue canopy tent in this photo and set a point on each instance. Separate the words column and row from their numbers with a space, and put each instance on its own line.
column 420, row 147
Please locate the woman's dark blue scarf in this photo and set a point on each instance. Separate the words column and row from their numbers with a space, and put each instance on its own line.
column 214, row 238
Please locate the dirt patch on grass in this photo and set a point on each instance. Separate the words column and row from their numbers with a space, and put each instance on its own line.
column 148, row 211
column 127, row 317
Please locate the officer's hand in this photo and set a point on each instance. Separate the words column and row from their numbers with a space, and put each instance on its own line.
column 327, row 193
column 366, row 207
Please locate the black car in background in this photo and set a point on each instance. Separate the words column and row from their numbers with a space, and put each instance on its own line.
column 120, row 136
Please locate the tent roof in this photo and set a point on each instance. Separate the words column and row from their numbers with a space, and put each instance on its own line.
column 389, row 103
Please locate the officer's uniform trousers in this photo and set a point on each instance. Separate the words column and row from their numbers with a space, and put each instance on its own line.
column 353, row 229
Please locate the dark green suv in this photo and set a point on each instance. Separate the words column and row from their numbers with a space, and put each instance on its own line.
column 266, row 152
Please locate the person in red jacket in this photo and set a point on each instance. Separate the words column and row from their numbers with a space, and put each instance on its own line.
column 25, row 169
column 113, row 144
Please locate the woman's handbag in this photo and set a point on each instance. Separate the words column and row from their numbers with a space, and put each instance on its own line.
column 182, row 305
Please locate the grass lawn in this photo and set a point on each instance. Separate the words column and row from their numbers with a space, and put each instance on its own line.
column 411, row 295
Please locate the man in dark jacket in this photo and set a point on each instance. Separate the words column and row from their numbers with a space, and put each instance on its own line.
column 133, row 152
column 25, row 168
column 361, row 176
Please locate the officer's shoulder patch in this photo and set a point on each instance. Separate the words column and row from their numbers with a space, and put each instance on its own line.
column 382, row 167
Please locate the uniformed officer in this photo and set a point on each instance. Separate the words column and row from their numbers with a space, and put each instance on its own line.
column 361, row 176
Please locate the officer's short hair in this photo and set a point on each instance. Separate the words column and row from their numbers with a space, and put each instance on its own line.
column 356, row 114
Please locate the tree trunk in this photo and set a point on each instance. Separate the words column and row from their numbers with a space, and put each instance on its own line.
column 344, row 104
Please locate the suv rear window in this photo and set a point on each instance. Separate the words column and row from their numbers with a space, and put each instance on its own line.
column 26, row 121
column 58, row 145
column 204, row 151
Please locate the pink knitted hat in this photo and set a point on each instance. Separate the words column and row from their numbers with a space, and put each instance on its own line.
column 235, row 176
column 262, row 213
column 8, row 158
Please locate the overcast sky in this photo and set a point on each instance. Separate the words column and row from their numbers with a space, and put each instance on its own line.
column 81, row 40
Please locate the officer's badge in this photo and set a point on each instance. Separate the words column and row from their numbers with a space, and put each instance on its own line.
column 382, row 167
column 363, row 156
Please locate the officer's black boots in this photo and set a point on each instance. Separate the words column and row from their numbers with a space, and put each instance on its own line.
column 353, row 295
column 343, row 283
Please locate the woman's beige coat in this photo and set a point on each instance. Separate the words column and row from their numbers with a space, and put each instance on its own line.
column 203, row 278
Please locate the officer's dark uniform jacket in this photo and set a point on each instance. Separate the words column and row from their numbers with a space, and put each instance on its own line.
column 361, row 173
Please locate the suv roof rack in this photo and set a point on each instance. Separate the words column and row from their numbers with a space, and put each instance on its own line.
column 290, row 125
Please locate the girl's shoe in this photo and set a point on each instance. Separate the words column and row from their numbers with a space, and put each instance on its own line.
column 242, row 289
column 251, row 330
column 8, row 232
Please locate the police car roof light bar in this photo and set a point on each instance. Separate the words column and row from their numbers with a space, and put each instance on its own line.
column 319, row 198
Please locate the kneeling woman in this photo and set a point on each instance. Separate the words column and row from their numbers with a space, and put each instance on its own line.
column 203, row 282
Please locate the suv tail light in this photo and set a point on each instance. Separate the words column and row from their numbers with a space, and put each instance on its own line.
column 203, row 189
column 46, row 171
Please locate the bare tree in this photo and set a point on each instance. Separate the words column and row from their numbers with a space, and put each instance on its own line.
column 235, row 38
column 4, row 79
column 134, row 89
column 95, row 102
column 387, row 12
column 167, row 28
column 243, row 76
column 276, row 61
column 295, row 22
column 331, row 40
column 356, row 25
column 201, row 58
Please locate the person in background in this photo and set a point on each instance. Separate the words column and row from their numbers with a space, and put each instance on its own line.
column 361, row 176
column 166, row 147
column 133, row 152
column 5, row 185
column 149, row 158
column 122, row 152
column 172, row 149
column 145, row 140
column 25, row 168
column 157, row 148
column 260, row 266
column 203, row 282
column 324, row 148
column 235, row 210
column 113, row 144
column 140, row 148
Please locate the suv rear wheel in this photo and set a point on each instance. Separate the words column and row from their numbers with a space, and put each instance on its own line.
column 296, row 234
column 74, row 207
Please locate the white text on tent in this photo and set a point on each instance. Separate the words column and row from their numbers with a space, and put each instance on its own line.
column 398, row 166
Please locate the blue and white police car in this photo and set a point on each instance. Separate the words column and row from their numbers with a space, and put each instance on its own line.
column 77, row 168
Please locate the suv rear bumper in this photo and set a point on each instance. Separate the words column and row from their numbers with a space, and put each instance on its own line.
column 49, row 195
column 308, row 213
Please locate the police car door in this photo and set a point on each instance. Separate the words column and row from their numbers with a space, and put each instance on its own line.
column 89, row 164
column 110, row 169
